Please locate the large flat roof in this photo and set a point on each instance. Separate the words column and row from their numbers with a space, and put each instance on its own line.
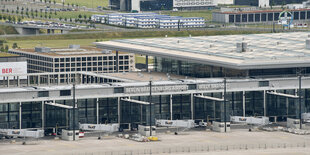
column 4, row 55
column 67, row 52
column 265, row 51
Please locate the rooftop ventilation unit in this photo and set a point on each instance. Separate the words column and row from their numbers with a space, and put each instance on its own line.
column 106, row 51
column 74, row 46
column 242, row 47
column 42, row 49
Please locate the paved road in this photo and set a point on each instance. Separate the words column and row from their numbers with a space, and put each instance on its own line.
column 193, row 142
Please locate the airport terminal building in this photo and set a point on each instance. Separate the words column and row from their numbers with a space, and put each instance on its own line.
column 124, row 98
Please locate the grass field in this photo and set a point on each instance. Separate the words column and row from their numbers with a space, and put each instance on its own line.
column 207, row 14
column 87, row 3
column 88, row 38
column 7, row 30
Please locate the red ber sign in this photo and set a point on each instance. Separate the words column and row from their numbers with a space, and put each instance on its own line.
column 7, row 70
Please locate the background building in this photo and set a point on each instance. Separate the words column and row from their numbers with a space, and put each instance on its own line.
column 43, row 59
column 140, row 5
column 266, row 3
column 257, row 16
column 149, row 20
column 198, row 4
column 152, row 5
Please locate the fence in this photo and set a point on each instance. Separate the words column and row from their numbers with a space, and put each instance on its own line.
column 198, row 149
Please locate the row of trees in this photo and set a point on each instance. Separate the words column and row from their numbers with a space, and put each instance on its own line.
column 10, row 18
column 5, row 48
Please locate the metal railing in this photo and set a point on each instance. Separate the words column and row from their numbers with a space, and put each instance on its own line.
column 197, row 149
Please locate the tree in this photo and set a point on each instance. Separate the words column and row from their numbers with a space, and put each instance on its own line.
column 80, row 16
column 1, row 49
column 10, row 18
column 49, row 16
column 68, row 4
column 14, row 19
column 6, row 48
column 7, row 10
column 85, row 17
column 14, row 46
column 60, row 18
column 19, row 19
column 66, row 19
column 0, row 17
column 54, row 2
column 70, row 19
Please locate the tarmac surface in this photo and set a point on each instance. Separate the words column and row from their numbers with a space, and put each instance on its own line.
column 236, row 142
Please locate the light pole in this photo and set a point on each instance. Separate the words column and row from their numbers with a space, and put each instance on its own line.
column 74, row 111
column 225, row 103
column 299, row 98
column 150, row 106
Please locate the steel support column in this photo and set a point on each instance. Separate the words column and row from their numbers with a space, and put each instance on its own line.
column 171, row 111
column 97, row 110
column 243, row 103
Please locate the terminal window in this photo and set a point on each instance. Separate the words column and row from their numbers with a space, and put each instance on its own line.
column 43, row 94
column 263, row 84
column 65, row 92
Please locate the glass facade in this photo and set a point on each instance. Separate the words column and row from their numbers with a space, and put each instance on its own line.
column 185, row 68
column 277, row 107
column 32, row 115
column 9, row 115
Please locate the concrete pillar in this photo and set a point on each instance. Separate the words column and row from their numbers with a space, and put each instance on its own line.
column 39, row 80
column 97, row 110
column 192, row 106
column 58, row 79
column 48, row 80
column 43, row 118
column 20, row 115
column 265, row 110
column 18, row 81
column 28, row 80
column 8, row 81
column 171, row 111
column 243, row 103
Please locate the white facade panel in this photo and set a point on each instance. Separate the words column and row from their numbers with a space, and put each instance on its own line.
column 263, row 3
column 217, row 2
column 7, row 68
column 135, row 5
column 191, row 3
